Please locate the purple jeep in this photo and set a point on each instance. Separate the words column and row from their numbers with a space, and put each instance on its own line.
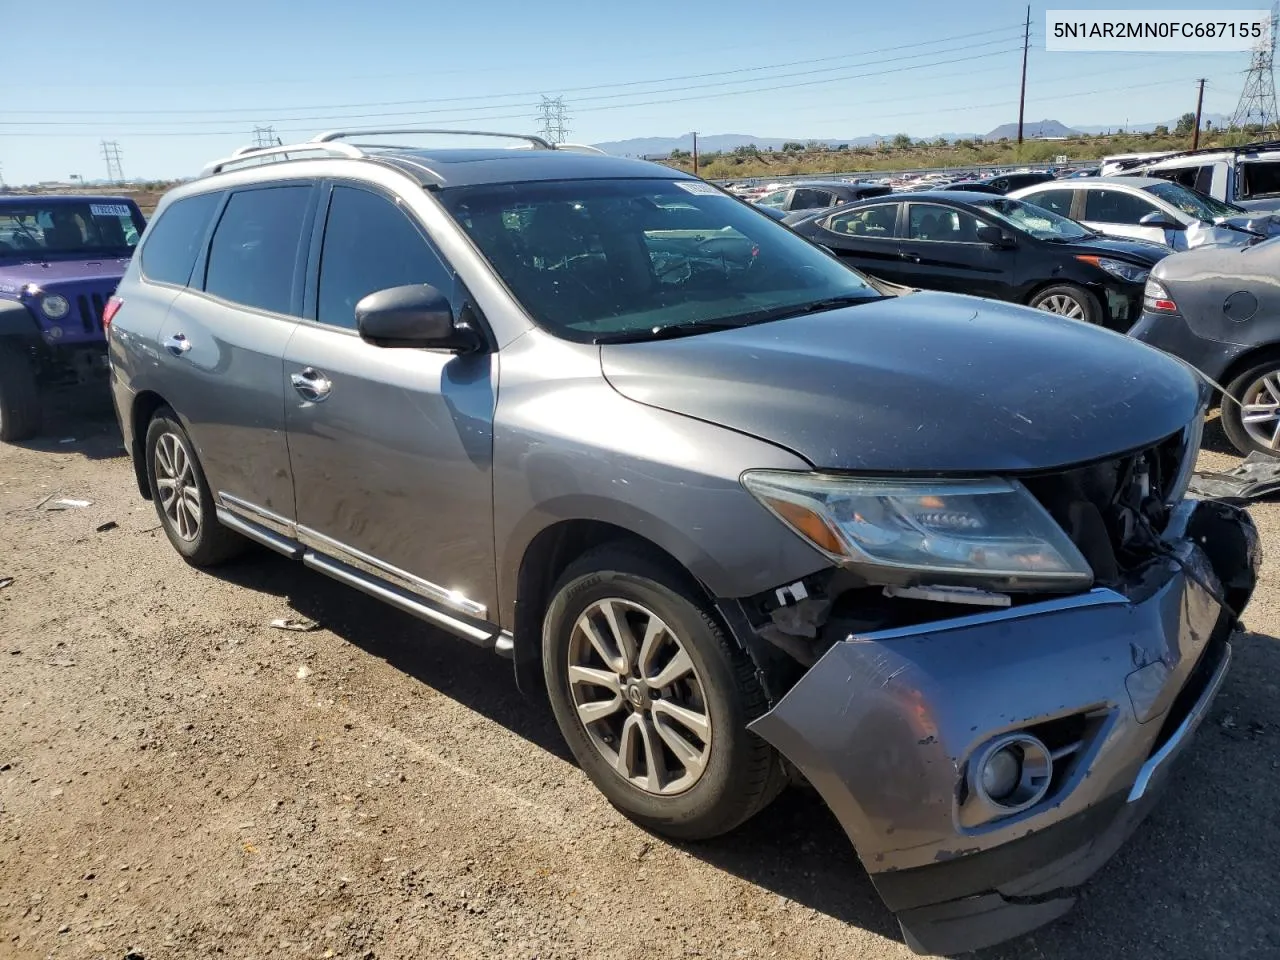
column 60, row 260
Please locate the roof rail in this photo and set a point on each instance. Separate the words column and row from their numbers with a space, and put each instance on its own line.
column 246, row 155
column 332, row 135
column 1131, row 162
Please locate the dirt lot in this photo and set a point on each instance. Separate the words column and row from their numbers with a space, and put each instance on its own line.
column 179, row 780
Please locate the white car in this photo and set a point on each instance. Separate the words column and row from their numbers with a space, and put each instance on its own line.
column 1248, row 176
column 1148, row 208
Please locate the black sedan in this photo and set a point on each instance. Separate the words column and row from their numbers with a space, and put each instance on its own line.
column 820, row 194
column 990, row 246
column 1005, row 183
column 1218, row 308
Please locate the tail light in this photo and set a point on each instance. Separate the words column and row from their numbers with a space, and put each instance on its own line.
column 1156, row 298
column 109, row 312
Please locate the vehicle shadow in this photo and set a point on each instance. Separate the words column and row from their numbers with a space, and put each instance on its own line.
column 1205, row 857
column 78, row 420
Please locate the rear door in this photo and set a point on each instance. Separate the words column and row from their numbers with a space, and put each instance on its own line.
column 865, row 238
column 223, row 342
column 390, row 448
column 1117, row 214
column 941, row 251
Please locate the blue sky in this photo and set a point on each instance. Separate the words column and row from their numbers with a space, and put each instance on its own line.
column 179, row 84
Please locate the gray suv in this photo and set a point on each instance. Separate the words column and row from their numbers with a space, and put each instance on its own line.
column 746, row 516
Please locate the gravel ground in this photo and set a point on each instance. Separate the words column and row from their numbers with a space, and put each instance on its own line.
column 179, row 780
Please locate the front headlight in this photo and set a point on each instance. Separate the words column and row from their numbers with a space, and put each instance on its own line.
column 55, row 307
column 1119, row 268
column 987, row 531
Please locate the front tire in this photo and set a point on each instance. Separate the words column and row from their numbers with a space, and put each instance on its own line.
column 1254, row 422
column 182, row 497
column 653, row 697
column 19, row 396
column 1070, row 301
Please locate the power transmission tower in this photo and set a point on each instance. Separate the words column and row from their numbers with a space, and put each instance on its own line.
column 552, row 116
column 111, row 154
column 1257, row 106
column 265, row 137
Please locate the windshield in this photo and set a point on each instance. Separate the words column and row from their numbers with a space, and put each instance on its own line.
column 69, row 228
column 1192, row 203
column 611, row 260
column 1040, row 223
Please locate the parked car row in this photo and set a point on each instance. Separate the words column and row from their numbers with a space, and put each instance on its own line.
column 745, row 513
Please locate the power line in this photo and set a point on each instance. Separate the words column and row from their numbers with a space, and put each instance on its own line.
column 111, row 154
column 664, row 99
column 1008, row 32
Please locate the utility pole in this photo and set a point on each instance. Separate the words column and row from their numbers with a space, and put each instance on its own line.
column 1195, row 134
column 111, row 154
column 265, row 137
column 1022, row 97
column 1257, row 106
column 695, row 153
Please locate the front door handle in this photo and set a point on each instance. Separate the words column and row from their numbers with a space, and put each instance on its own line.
column 914, row 258
column 311, row 384
column 178, row 344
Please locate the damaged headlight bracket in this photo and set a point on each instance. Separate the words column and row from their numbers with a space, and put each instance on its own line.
column 987, row 533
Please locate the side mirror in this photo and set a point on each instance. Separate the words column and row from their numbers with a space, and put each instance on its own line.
column 1161, row 221
column 417, row 315
column 996, row 237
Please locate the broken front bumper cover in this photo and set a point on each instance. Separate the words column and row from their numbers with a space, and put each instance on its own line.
column 886, row 725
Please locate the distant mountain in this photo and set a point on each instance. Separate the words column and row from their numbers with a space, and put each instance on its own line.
column 1216, row 119
column 1036, row 128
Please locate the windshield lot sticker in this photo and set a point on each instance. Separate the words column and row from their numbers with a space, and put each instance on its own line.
column 110, row 210
column 697, row 187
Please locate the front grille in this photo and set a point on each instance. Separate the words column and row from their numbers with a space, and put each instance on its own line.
column 1113, row 510
column 91, row 307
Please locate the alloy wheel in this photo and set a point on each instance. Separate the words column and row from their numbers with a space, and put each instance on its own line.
column 639, row 697
column 176, row 483
column 1260, row 410
column 1062, row 305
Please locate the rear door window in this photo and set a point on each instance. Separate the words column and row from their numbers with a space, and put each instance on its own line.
column 370, row 245
column 1116, row 206
column 1259, row 179
column 808, row 199
column 254, row 256
column 175, row 241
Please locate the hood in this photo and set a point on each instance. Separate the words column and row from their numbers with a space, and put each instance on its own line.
column 926, row 383
column 14, row 276
column 1254, row 221
column 1138, row 251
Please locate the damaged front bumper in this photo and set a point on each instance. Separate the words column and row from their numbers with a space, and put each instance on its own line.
column 889, row 728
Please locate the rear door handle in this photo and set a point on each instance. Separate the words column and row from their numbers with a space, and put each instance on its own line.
column 178, row 344
column 311, row 384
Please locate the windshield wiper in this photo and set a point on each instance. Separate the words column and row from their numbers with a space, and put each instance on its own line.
column 669, row 331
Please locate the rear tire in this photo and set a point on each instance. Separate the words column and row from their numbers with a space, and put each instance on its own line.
column 662, row 736
column 1069, row 300
column 19, row 395
column 182, row 497
column 1257, row 388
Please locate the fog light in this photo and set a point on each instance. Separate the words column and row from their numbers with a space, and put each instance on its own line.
column 1011, row 773
column 1001, row 773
